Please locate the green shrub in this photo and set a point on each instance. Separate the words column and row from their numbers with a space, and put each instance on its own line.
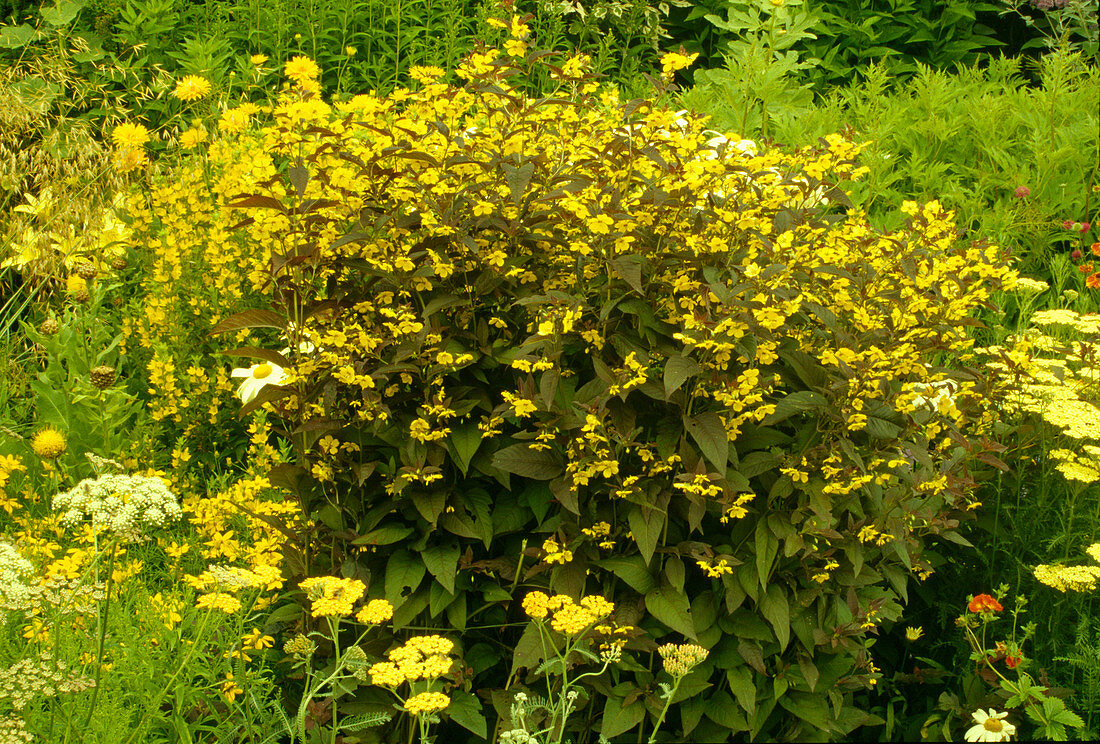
column 565, row 342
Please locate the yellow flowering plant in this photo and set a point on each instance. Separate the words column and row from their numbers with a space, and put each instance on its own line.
column 504, row 316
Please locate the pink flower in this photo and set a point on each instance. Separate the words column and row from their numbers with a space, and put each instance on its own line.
column 1022, row 191
column 1067, row 225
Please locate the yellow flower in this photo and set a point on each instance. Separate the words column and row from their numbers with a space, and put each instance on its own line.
column 374, row 612
column 301, row 70
column 535, row 605
column 226, row 603
column 191, row 88
column 681, row 659
column 192, row 138
column 49, row 443
column 386, row 674
column 427, row 702
column 257, row 640
column 914, row 634
column 332, row 595
column 130, row 135
column 229, row 688
column 258, row 59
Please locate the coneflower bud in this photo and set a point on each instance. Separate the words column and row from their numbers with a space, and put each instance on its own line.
column 102, row 376
column 49, row 327
column 86, row 270
column 119, row 263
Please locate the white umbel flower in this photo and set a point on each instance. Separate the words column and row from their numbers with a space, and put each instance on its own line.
column 257, row 376
column 990, row 726
column 124, row 505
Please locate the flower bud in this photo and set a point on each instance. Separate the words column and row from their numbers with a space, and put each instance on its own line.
column 1022, row 191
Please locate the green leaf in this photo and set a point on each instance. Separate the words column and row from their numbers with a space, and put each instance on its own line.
column 464, row 442
column 442, row 561
column 671, row 608
column 465, row 710
column 384, row 535
column 678, row 369
column 529, row 463
column 646, row 523
column 710, row 434
column 813, row 709
column 721, row 710
column 618, row 719
column 518, row 178
column 741, row 684
column 776, row 610
column 804, row 401
column 15, row 37
column 630, row 269
column 767, row 545
column 249, row 319
column 63, row 13
column 632, row 570
column 403, row 571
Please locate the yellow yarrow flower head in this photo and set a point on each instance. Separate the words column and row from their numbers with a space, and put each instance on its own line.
column 535, row 605
column 191, row 88
column 49, row 443
column 427, row 703
column 300, row 646
column 302, row 70
column 331, row 595
column 374, row 612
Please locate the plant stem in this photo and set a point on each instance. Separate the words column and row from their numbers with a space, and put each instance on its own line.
column 102, row 635
column 664, row 711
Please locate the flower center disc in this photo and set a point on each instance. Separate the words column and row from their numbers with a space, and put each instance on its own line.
column 993, row 724
column 261, row 371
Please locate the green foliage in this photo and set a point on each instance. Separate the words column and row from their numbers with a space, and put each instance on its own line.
column 968, row 139
column 447, row 271
column 99, row 420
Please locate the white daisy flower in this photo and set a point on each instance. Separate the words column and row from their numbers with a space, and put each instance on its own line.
column 258, row 375
column 990, row 726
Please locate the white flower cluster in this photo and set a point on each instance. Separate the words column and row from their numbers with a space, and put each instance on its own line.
column 14, row 569
column 124, row 505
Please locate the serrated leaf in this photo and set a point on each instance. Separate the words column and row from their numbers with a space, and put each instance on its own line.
column 249, row 319
column 619, row 718
column 629, row 268
column 385, row 535
column 646, row 523
column 403, row 571
column 442, row 561
column 518, row 179
column 464, row 440
column 524, row 461
column 710, row 434
column 465, row 710
column 776, row 610
column 632, row 570
column 671, row 608
column 254, row 352
column 678, row 369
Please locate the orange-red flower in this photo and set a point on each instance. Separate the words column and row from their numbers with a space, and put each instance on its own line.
column 1085, row 268
column 1095, row 248
column 1013, row 660
column 984, row 603
column 1093, row 282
